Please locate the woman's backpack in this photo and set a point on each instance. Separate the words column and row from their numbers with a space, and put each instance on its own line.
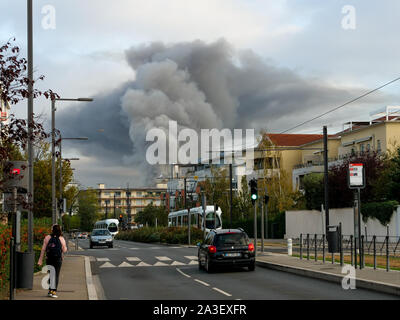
column 54, row 248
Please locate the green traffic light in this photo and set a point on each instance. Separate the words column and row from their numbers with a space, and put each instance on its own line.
column 254, row 196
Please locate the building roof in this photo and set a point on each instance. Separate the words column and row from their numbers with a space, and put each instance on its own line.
column 292, row 140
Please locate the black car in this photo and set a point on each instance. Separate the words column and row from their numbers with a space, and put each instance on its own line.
column 226, row 247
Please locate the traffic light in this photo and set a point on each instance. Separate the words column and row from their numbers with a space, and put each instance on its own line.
column 253, row 190
column 120, row 218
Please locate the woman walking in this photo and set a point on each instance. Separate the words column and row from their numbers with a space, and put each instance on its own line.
column 55, row 246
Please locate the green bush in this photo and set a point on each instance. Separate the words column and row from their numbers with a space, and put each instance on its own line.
column 382, row 211
column 170, row 235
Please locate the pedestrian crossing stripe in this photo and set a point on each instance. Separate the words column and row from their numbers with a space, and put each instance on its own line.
column 157, row 264
column 177, row 263
column 125, row 264
column 164, row 258
column 143, row 264
column 107, row 265
column 191, row 257
column 102, row 259
column 192, row 262
column 133, row 259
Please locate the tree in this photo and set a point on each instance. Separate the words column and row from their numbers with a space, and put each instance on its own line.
column 42, row 181
column 314, row 190
column 14, row 88
column 88, row 211
column 274, row 178
column 149, row 215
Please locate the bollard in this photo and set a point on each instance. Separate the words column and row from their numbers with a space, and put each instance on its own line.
column 289, row 247
column 362, row 257
column 301, row 246
column 308, row 246
column 341, row 250
column 323, row 248
column 374, row 240
column 351, row 250
column 387, row 254
column 315, row 248
column 12, row 268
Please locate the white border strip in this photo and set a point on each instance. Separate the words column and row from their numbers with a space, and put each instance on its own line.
column 89, row 281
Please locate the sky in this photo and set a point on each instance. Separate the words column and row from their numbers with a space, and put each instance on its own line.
column 238, row 64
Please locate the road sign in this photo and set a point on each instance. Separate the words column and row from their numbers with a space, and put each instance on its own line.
column 356, row 176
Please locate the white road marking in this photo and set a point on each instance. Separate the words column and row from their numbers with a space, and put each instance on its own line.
column 191, row 257
column 133, row 259
column 202, row 282
column 177, row 263
column 154, row 248
column 223, row 292
column 107, row 265
column 163, row 258
column 102, row 259
column 134, row 248
column 193, row 262
column 181, row 272
column 158, row 264
column 125, row 264
column 142, row 264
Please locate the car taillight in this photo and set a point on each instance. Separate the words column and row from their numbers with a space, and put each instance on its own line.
column 212, row 249
column 251, row 247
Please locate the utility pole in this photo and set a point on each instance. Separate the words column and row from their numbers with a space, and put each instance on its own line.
column 186, row 208
column 326, row 185
column 30, row 124
column 230, row 196
column 53, row 163
column 204, row 200
column 115, row 217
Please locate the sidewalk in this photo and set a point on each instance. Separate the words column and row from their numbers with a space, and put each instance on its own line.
column 367, row 278
column 72, row 284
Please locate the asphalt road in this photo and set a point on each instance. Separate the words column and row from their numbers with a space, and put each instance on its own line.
column 139, row 271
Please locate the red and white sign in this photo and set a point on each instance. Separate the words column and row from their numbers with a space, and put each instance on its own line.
column 356, row 175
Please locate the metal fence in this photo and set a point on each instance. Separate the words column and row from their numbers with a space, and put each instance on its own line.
column 374, row 251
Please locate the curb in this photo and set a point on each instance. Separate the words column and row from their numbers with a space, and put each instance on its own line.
column 360, row 283
column 89, row 281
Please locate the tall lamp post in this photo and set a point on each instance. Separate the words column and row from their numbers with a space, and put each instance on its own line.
column 53, row 152
column 60, row 165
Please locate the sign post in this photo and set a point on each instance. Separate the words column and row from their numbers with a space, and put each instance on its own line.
column 356, row 180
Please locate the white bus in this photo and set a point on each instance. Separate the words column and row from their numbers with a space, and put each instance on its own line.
column 109, row 224
column 180, row 218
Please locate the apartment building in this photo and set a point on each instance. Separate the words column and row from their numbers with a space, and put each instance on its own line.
column 128, row 201
column 380, row 134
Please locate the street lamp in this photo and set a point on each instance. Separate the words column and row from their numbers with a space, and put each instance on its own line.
column 53, row 154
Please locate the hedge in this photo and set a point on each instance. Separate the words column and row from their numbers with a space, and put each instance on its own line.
column 171, row 235
column 382, row 211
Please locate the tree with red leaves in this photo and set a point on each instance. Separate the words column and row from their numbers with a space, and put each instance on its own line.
column 14, row 88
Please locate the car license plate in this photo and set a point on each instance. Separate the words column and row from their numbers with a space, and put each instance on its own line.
column 102, row 241
column 236, row 254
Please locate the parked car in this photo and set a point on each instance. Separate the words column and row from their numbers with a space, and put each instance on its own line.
column 101, row 237
column 226, row 247
column 83, row 235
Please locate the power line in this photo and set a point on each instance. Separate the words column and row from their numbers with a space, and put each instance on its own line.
column 336, row 108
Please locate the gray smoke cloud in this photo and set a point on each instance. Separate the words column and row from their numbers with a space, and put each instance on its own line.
column 201, row 86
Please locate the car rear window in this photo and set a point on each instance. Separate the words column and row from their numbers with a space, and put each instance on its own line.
column 229, row 239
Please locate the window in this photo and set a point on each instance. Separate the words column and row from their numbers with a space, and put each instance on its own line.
column 230, row 239
column 378, row 148
column 368, row 147
column 362, row 148
column 118, row 194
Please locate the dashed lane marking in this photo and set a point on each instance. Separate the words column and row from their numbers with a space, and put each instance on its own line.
column 202, row 282
column 223, row 292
